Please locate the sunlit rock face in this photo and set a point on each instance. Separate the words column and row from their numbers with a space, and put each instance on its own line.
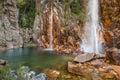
column 110, row 14
column 9, row 29
column 65, row 30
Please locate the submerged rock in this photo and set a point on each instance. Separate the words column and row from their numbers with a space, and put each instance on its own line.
column 84, row 57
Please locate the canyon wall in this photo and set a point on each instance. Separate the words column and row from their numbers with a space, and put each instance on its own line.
column 11, row 35
column 9, row 29
column 110, row 17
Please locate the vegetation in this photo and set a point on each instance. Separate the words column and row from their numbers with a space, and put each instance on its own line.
column 26, row 13
column 3, row 72
column 73, row 8
column 78, row 10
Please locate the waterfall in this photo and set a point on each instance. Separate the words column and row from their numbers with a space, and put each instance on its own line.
column 51, row 29
column 90, row 38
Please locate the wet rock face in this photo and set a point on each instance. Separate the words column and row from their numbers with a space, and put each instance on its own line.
column 9, row 29
column 110, row 13
column 66, row 32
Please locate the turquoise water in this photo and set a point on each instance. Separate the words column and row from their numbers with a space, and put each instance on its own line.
column 34, row 57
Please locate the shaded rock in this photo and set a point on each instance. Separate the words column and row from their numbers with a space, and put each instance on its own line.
column 108, row 68
column 84, row 57
column 36, row 28
column 13, row 74
column 52, row 74
column 111, row 56
column 3, row 62
column 26, row 35
column 40, row 76
column 31, row 74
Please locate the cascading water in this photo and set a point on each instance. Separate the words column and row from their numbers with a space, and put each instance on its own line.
column 90, row 38
column 51, row 29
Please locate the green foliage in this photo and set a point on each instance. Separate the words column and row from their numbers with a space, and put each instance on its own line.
column 77, row 10
column 26, row 12
column 73, row 8
column 3, row 72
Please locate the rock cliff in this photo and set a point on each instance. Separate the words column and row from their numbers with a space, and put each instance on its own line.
column 9, row 29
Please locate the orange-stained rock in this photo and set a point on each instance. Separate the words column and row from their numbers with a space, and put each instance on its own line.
column 108, row 37
column 117, row 69
column 52, row 74
column 46, row 45
column 101, row 37
column 102, row 70
column 97, row 63
column 110, row 75
column 76, row 69
column 43, row 38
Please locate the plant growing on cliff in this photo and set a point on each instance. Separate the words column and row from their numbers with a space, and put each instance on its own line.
column 26, row 13
column 74, row 8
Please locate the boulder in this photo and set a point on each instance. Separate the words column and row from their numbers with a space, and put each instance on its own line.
column 84, row 57
column 3, row 62
column 40, row 76
column 75, row 69
column 97, row 63
column 52, row 74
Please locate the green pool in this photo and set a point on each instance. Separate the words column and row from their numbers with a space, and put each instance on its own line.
column 34, row 57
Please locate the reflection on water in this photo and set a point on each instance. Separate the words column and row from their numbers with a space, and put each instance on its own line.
column 33, row 57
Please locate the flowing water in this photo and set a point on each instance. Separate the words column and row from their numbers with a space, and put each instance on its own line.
column 90, row 39
column 34, row 58
column 51, row 29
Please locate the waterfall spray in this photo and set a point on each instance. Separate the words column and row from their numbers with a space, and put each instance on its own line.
column 90, row 38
